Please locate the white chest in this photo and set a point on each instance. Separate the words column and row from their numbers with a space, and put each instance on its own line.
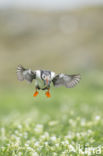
column 40, row 83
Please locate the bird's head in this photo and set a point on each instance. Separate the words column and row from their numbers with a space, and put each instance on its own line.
column 46, row 77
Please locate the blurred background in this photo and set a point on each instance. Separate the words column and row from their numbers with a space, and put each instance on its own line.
column 63, row 36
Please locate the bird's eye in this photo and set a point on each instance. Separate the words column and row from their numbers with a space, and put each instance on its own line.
column 44, row 77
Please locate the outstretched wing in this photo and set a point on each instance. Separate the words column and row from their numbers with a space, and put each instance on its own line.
column 68, row 81
column 25, row 74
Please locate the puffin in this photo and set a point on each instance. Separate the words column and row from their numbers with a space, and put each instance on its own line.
column 44, row 78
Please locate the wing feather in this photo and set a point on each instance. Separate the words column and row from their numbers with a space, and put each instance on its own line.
column 68, row 81
column 25, row 74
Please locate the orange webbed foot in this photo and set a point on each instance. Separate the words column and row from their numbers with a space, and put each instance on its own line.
column 36, row 93
column 48, row 94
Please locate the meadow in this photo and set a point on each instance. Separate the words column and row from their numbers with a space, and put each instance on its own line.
column 70, row 122
column 67, row 124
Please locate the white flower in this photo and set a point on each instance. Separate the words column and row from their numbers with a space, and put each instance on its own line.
column 39, row 126
column 25, row 135
column 2, row 148
column 63, row 143
column 83, row 123
column 66, row 142
column 29, row 148
column 83, row 134
column 36, row 144
column 89, row 131
column 33, row 140
column 28, row 142
column 78, row 135
column 26, row 145
column 16, row 144
column 38, row 129
column 53, row 138
column 81, row 151
column 97, row 118
column 20, row 154
column 16, row 132
column 91, row 140
column 19, row 126
column 70, row 135
column 20, row 134
column 57, row 145
column 72, row 122
column 71, row 148
column 46, row 143
column 53, row 123
column 54, row 154
column 45, row 136
column 35, row 154
column 64, row 153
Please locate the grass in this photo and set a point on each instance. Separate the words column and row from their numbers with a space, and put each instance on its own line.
column 68, row 124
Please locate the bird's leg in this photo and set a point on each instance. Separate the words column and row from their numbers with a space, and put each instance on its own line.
column 48, row 93
column 36, row 92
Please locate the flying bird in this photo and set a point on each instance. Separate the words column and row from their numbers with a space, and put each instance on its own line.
column 44, row 78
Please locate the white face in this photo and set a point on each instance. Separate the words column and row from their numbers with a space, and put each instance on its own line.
column 46, row 77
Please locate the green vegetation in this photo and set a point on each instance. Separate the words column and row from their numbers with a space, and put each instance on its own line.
column 53, row 127
column 70, row 122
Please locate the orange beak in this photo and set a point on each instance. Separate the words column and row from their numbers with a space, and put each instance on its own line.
column 47, row 81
